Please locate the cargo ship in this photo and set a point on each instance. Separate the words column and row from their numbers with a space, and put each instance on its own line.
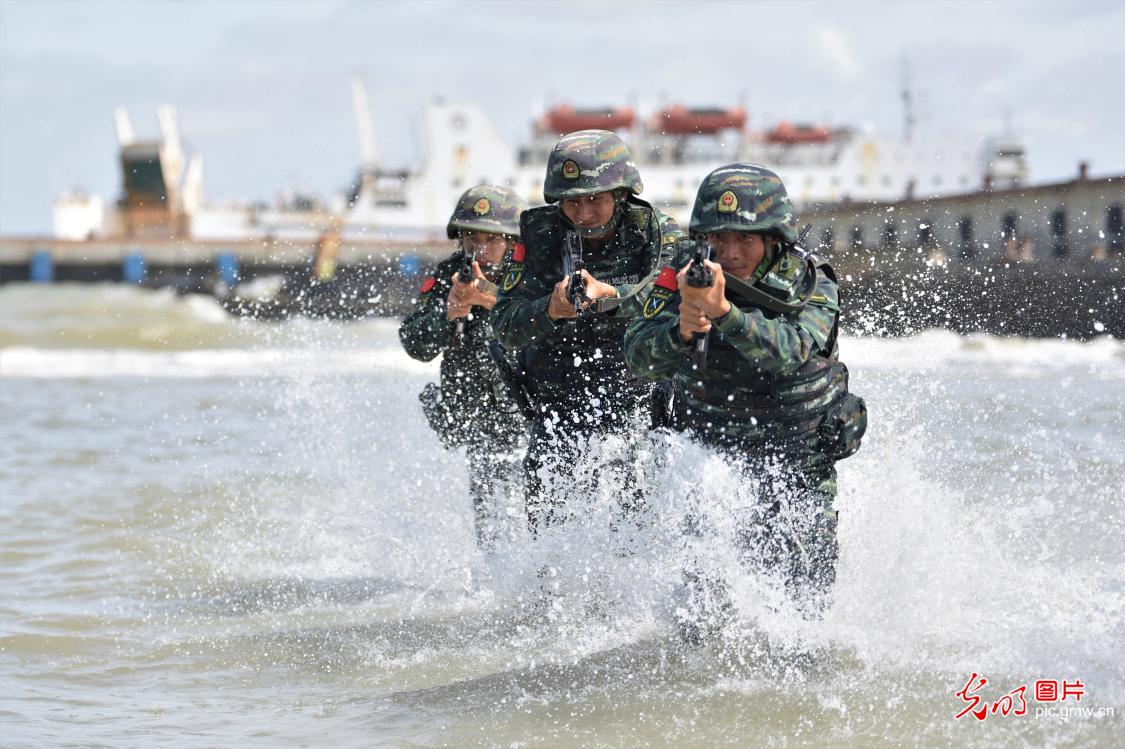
column 674, row 147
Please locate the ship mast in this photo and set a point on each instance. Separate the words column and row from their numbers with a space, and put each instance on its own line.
column 363, row 123
column 364, row 189
column 907, row 102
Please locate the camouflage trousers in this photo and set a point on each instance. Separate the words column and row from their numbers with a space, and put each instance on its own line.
column 558, row 468
column 792, row 532
column 495, row 483
column 788, row 531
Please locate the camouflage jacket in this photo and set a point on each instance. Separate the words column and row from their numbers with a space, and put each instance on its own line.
column 769, row 375
column 470, row 384
column 566, row 357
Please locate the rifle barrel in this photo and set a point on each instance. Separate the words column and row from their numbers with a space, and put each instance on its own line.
column 700, row 276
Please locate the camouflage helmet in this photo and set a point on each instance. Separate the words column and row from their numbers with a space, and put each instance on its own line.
column 743, row 197
column 486, row 208
column 588, row 162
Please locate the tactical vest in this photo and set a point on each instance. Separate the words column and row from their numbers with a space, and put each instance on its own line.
column 471, row 403
column 587, row 353
column 808, row 410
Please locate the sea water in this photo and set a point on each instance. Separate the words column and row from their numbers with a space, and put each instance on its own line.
column 218, row 532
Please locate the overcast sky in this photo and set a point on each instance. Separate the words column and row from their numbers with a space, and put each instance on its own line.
column 262, row 87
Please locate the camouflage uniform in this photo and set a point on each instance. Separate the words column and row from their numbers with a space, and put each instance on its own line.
column 471, row 407
column 576, row 367
column 773, row 394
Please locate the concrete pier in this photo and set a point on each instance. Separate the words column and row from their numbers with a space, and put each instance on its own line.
column 105, row 260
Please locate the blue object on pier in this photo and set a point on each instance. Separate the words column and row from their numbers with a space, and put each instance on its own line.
column 41, row 269
column 226, row 266
column 409, row 265
column 133, row 268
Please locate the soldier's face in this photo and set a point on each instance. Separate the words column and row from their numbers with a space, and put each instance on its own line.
column 589, row 211
column 487, row 249
column 737, row 252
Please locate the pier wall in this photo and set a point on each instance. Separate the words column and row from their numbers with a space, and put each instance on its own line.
column 106, row 259
column 1070, row 221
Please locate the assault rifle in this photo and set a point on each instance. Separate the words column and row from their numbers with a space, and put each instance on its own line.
column 465, row 275
column 573, row 265
column 700, row 276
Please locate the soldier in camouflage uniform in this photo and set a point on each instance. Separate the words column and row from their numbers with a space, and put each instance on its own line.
column 450, row 317
column 571, row 353
column 772, row 393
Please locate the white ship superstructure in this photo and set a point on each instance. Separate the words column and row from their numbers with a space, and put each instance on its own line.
column 674, row 147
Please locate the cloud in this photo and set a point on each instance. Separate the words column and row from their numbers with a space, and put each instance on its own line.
column 834, row 50
column 262, row 89
column 1037, row 122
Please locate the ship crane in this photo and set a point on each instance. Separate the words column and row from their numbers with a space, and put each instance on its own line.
column 368, row 170
column 159, row 195
column 363, row 123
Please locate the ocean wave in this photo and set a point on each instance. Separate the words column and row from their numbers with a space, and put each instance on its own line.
column 307, row 348
column 114, row 316
column 206, row 363
column 938, row 348
column 73, row 330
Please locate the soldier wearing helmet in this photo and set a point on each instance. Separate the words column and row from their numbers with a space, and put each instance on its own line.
column 571, row 350
column 450, row 318
column 772, row 394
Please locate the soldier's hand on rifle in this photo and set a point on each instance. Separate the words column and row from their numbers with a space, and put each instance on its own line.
column 464, row 296
column 711, row 299
column 701, row 304
column 560, row 307
column 595, row 289
column 692, row 320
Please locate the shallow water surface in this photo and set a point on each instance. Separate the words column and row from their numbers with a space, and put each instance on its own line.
column 220, row 533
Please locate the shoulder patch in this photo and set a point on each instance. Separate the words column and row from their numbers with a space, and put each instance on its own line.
column 428, row 285
column 519, row 252
column 512, row 278
column 656, row 302
column 667, row 279
column 639, row 217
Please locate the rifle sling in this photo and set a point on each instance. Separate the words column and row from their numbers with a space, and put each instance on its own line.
column 606, row 304
column 754, row 295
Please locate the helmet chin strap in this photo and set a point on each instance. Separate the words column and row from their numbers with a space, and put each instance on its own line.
column 768, row 258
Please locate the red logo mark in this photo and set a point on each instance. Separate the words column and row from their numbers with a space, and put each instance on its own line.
column 969, row 695
column 1006, row 703
column 428, row 284
column 667, row 280
column 1015, row 701
column 518, row 253
column 1075, row 690
column 1046, row 690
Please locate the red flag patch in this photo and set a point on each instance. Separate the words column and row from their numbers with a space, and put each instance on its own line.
column 667, row 280
column 518, row 252
column 428, row 284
